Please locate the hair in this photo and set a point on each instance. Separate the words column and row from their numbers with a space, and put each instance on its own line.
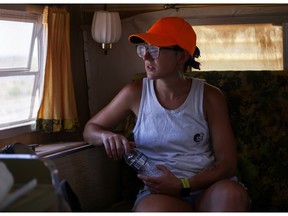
column 191, row 63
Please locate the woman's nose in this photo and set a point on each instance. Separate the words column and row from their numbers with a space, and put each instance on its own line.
column 147, row 56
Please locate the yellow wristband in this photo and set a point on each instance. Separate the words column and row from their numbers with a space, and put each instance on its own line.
column 185, row 182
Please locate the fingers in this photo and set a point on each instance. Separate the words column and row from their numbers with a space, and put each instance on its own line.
column 164, row 184
column 115, row 145
column 148, row 180
column 132, row 144
column 108, row 148
column 151, row 183
column 128, row 145
column 143, row 177
column 163, row 168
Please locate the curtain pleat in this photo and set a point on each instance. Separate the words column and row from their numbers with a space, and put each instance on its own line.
column 58, row 110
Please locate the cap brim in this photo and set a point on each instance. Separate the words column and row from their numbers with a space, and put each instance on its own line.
column 153, row 39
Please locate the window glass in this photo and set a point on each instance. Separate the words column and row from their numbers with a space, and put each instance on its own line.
column 21, row 67
column 15, row 43
column 17, row 97
column 240, row 47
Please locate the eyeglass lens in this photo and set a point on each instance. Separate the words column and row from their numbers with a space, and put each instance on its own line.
column 152, row 50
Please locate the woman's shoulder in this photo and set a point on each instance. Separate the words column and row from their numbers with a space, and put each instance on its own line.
column 213, row 96
column 135, row 85
column 212, row 91
column 133, row 89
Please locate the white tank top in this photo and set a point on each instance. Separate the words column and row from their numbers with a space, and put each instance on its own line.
column 179, row 138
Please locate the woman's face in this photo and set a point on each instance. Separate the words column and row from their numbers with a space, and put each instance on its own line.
column 167, row 64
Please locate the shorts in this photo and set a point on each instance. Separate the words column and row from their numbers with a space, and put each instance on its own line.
column 191, row 198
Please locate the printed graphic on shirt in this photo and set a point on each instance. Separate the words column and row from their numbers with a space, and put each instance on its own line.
column 199, row 137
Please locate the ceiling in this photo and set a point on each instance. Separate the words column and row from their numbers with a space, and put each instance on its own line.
column 127, row 10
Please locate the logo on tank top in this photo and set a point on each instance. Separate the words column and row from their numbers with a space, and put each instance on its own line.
column 199, row 137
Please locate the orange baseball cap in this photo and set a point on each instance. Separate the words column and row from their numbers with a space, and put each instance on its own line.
column 168, row 31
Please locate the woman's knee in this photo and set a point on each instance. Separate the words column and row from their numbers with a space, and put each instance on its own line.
column 230, row 190
column 225, row 195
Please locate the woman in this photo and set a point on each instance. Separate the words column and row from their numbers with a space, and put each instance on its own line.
column 182, row 125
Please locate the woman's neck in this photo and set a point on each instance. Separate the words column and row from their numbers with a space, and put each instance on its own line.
column 172, row 93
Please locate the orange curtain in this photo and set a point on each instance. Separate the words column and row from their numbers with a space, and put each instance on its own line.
column 58, row 111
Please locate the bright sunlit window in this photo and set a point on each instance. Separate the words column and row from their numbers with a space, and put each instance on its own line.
column 21, row 67
column 240, row 47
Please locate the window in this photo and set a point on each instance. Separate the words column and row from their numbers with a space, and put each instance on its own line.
column 21, row 67
column 240, row 47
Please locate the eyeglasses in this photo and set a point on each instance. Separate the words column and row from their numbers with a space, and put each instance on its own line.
column 153, row 50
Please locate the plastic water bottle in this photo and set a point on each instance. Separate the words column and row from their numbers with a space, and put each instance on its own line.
column 141, row 163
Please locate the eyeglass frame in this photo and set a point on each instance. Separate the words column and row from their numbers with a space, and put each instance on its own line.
column 157, row 50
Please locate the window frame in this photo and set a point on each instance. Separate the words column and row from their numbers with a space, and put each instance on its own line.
column 28, row 125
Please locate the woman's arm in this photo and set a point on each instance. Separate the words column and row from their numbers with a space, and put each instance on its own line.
column 222, row 140
column 98, row 129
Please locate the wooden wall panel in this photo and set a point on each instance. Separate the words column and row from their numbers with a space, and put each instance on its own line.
column 92, row 175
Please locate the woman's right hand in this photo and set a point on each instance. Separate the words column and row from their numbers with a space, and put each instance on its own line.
column 116, row 144
column 99, row 129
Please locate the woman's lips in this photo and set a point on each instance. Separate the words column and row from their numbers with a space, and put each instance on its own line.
column 150, row 68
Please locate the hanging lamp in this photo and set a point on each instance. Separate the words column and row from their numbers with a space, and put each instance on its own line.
column 106, row 28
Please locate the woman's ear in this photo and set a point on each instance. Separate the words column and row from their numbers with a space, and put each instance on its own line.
column 183, row 56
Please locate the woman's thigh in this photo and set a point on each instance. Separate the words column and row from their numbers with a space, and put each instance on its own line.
column 224, row 195
column 162, row 203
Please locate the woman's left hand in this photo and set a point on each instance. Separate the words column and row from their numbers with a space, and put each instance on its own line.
column 168, row 183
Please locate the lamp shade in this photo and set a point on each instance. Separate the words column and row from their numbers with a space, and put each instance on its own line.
column 106, row 27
